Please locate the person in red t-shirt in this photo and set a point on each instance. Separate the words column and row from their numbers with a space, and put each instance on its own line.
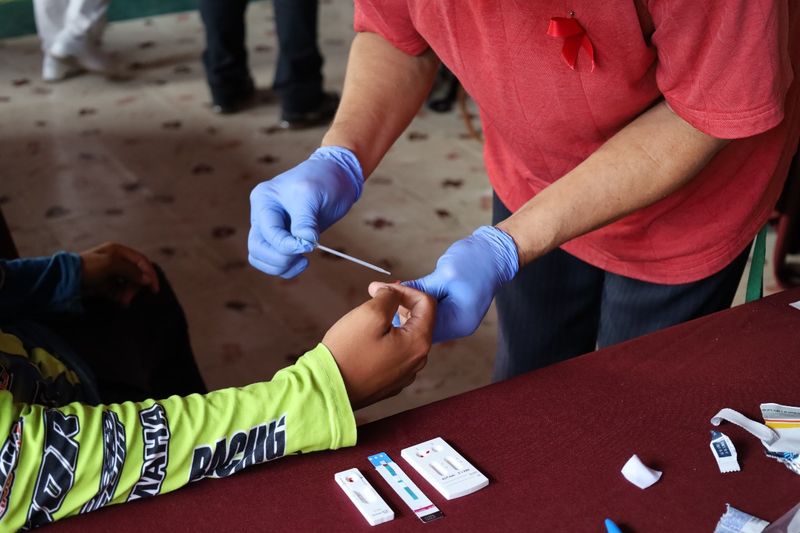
column 635, row 149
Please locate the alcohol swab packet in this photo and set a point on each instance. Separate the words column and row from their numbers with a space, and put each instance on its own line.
column 724, row 452
column 640, row 475
column 736, row 521
column 780, row 433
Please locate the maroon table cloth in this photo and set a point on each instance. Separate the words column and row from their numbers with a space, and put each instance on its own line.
column 552, row 442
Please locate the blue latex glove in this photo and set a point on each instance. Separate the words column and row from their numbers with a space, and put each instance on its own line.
column 466, row 278
column 288, row 212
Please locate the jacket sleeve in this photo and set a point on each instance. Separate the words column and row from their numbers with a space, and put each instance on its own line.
column 40, row 285
column 75, row 459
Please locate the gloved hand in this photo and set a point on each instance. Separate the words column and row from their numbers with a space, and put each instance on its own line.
column 466, row 278
column 288, row 212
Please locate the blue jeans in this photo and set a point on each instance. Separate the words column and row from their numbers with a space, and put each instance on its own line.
column 298, row 76
column 559, row 307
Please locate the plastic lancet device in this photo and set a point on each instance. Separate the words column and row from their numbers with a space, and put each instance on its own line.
column 337, row 253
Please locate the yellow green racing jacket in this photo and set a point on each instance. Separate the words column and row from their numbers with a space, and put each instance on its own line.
column 57, row 462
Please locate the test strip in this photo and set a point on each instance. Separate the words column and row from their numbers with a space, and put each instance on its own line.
column 367, row 501
column 405, row 488
column 444, row 468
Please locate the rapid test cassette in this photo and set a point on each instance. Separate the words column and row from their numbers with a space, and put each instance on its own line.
column 405, row 488
column 364, row 497
column 444, row 468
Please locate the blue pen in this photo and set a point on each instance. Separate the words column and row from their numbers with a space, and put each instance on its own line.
column 611, row 527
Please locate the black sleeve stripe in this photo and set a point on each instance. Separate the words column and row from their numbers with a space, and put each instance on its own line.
column 156, row 436
column 57, row 469
column 114, row 452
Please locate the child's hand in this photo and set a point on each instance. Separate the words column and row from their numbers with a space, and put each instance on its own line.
column 116, row 272
column 376, row 359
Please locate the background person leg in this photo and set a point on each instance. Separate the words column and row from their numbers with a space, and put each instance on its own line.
column 86, row 18
column 79, row 39
column 225, row 56
column 298, row 76
column 50, row 18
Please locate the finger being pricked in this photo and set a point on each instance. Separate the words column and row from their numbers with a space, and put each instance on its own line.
column 384, row 304
column 417, row 309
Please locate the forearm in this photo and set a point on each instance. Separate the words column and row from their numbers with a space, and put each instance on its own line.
column 383, row 90
column 650, row 158
column 130, row 451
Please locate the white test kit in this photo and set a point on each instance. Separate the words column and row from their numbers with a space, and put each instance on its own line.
column 444, row 468
column 364, row 497
column 405, row 488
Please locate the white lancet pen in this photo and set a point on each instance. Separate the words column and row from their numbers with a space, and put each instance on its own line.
column 353, row 259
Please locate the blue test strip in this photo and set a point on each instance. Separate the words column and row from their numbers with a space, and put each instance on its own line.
column 405, row 488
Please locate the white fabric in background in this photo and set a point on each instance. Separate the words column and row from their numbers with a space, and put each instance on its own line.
column 69, row 19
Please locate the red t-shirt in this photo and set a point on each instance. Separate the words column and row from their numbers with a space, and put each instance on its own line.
column 724, row 66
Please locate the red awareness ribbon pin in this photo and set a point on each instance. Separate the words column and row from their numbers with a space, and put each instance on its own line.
column 574, row 37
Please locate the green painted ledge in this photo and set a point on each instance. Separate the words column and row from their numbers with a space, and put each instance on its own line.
column 16, row 16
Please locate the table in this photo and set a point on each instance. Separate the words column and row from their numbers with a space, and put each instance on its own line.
column 552, row 443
